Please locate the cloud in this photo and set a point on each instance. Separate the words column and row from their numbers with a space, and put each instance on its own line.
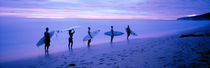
column 56, row 13
column 192, row 15
column 149, row 9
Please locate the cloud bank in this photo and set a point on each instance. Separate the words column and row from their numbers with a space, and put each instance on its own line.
column 103, row 9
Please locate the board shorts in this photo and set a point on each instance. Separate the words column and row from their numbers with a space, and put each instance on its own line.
column 70, row 39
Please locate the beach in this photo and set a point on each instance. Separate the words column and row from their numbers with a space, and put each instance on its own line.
column 166, row 51
column 104, row 33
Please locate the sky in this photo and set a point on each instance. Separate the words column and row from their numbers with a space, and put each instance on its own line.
column 104, row 9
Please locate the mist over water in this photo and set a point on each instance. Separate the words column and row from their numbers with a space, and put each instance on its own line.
column 19, row 36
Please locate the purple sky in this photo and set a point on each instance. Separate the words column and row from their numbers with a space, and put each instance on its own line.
column 103, row 9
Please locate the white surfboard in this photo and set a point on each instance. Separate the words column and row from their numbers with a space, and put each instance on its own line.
column 41, row 41
column 132, row 33
column 93, row 34
column 74, row 27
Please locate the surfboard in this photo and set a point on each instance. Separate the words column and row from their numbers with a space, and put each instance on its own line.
column 41, row 41
column 116, row 33
column 132, row 33
column 93, row 34
column 74, row 27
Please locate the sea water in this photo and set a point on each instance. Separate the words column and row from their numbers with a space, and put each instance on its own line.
column 18, row 36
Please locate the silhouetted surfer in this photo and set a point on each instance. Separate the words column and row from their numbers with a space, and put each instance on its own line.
column 112, row 36
column 128, row 31
column 47, row 39
column 90, row 36
column 71, row 32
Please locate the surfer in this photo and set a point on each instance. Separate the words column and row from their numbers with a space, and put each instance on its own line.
column 112, row 36
column 71, row 32
column 47, row 39
column 128, row 31
column 90, row 36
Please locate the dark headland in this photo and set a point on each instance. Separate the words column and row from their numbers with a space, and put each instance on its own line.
column 205, row 16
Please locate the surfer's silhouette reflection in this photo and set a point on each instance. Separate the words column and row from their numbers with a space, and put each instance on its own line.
column 47, row 39
column 112, row 36
column 46, row 54
column 128, row 31
column 71, row 32
column 90, row 36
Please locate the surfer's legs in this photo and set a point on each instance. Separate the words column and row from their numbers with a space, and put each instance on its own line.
column 47, row 44
column 48, row 47
column 112, row 37
column 45, row 47
column 71, row 43
column 89, row 42
column 128, row 36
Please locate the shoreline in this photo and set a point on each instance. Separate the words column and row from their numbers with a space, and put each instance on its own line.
column 81, row 56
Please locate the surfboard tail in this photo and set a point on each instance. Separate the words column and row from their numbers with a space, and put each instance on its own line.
column 93, row 34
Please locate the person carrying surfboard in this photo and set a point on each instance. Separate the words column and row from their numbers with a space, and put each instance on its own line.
column 90, row 36
column 47, row 39
column 128, row 31
column 71, row 32
column 112, row 36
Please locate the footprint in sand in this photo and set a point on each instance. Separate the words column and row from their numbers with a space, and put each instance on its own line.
column 162, row 57
column 174, row 56
column 82, row 61
column 55, row 60
column 87, row 63
column 101, row 59
column 104, row 54
column 115, row 62
column 65, row 58
column 166, row 65
column 107, row 57
column 113, row 59
column 132, row 52
column 100, row 63
column 108, row 64
column 124, row 49
column 122, row 58
column 145, row 62
column 180, row 60
column 73, row 61
column 152, row 46
column 62, row 64
column 119, row 55
column 142, row 50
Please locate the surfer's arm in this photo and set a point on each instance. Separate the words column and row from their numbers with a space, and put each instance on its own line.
column 73, row 31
